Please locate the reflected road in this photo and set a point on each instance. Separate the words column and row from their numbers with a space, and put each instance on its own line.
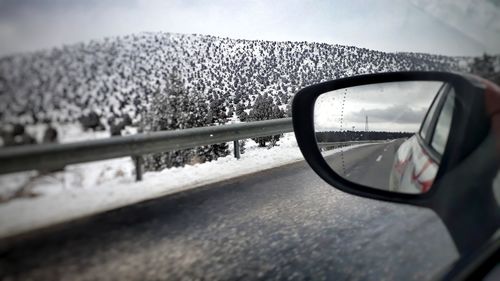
column 368, row 165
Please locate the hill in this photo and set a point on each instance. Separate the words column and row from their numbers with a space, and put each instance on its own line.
column 122, row 75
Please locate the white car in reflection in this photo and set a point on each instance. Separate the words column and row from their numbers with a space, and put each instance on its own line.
column 416, row 162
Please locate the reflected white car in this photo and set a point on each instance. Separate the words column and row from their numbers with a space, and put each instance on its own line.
column 416, row 162
column 413, row 170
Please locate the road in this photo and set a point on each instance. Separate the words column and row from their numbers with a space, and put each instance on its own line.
column 283, row 223
column 368, row 165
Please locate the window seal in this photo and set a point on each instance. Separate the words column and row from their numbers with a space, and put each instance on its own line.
column 428, row 150
column 427, row 131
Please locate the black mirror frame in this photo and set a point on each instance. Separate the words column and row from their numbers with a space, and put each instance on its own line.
column 303, row 122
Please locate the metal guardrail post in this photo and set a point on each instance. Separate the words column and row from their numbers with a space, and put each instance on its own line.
column 237, row 149
column 138, row 161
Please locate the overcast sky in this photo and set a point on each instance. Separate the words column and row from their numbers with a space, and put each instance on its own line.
column 451, row 27
column 399, row 106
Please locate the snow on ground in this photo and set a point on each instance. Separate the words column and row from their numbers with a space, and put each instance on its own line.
column 95, row 187
column 71, row 132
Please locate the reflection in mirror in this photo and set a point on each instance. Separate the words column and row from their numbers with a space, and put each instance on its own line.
column 387, row 136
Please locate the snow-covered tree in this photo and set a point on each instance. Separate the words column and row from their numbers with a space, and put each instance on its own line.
column 487, row 66
column 265, row 109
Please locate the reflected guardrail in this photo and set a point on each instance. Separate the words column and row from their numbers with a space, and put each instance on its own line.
column 332, row 145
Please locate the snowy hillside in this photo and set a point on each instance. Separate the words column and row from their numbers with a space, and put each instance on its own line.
column 117, row 77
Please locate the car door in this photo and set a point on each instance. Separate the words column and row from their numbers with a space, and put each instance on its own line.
column 417, row 159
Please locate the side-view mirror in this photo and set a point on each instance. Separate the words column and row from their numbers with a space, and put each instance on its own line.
column 421, row 138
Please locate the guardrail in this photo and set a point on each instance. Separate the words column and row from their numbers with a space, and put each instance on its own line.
column 47, row 157
column 330, row 145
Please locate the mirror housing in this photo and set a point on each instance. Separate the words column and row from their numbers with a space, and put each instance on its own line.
column 459, row 201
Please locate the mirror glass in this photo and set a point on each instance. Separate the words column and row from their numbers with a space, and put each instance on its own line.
column 388, row 136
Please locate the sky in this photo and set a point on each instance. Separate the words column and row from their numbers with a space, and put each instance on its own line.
column 449, row 27
column 395, row 107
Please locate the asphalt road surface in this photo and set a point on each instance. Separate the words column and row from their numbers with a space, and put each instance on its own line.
column 280, row 224
column 368, row 165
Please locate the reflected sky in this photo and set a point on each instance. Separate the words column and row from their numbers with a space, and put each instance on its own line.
column 392, row 107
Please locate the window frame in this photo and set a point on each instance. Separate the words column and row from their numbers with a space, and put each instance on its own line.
column 445, row 99
column 425, row 142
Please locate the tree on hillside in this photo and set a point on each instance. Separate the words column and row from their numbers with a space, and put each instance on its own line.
column 289, row 107
column 217, row 115
column 264, row 109
column 485, row 67
column 167, row 113
column 175, row 108
column 240, row 110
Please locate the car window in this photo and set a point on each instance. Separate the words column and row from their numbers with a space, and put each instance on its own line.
column 153, row 139
column 442, row 129
column 428, row 118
